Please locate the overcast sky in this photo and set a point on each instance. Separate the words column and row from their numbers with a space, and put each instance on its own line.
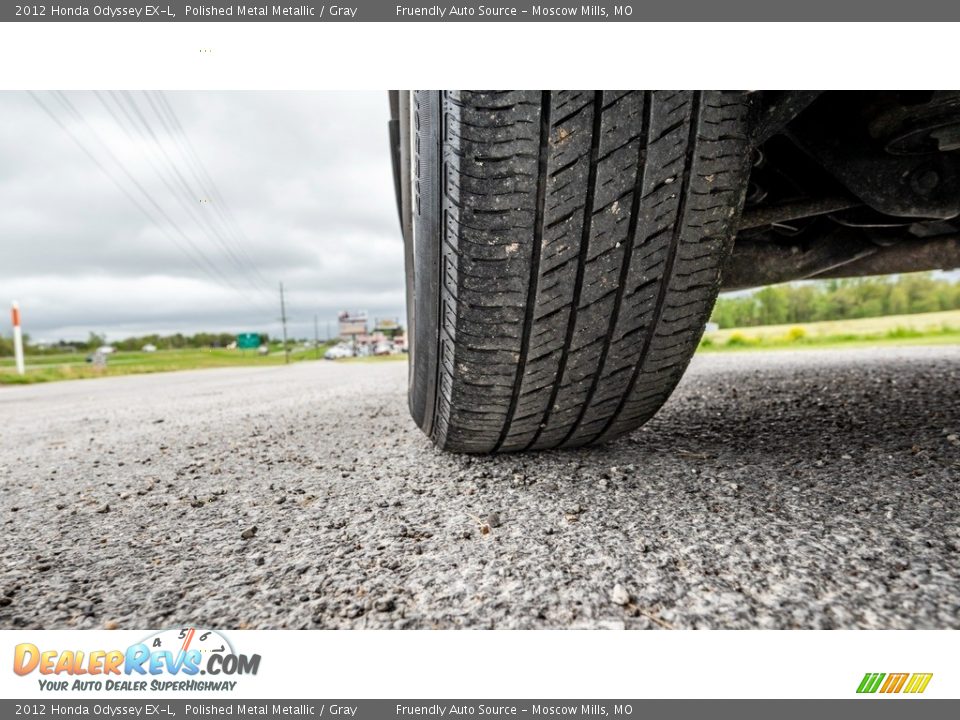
column 307, row 193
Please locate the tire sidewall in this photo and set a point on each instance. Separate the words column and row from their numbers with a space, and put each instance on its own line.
column 422, row 184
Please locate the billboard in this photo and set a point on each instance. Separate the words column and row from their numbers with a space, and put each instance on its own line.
column 387, row 326
column 352, row 323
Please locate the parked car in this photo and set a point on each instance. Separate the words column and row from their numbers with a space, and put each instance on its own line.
column 338, row 351
column 564, row 249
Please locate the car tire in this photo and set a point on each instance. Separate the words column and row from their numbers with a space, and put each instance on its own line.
column 563, row 256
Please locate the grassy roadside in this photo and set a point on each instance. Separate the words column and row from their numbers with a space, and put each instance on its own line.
column 939, row 328
column 48, row 368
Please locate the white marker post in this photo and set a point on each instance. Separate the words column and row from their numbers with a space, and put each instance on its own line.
column 18, row 338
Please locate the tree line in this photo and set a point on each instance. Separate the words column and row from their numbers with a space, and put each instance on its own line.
column 177, row 341
column 839, row 300
column 775, row 305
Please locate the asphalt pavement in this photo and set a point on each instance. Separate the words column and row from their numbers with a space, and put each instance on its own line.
column 809, row 489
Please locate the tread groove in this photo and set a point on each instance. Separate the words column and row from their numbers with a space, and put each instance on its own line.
column 535, row 252
column 581, row 263
column 667, row 268
column 635, row 207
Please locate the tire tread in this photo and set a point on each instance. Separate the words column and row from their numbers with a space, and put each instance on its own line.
column 583, row 235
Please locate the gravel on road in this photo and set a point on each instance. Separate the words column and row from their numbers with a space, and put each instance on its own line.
column 809, row 489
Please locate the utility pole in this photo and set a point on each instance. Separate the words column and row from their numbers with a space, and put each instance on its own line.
column 283, row 319
column 316, row 338
column 18, row 339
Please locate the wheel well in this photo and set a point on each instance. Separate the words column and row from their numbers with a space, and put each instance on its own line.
column 850, row 183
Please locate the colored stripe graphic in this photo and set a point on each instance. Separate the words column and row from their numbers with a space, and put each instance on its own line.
column 895, row 682
column 918, row 682
column 870, row 682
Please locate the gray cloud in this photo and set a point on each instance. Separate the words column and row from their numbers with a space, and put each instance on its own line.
column 306, row 175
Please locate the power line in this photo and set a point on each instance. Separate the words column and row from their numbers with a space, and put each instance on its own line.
column 186, row 195
column 184, row 202
column 176, row 133
column 187, row 204
column 65, row 101
column 190, row 249
column 198, row 169
column 119, row 186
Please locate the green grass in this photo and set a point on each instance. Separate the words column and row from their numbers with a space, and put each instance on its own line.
column 47, row 368
column 940, row 328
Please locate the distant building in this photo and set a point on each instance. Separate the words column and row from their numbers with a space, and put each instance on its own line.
column 387, row 326
column 378, row 343
column 352, row 323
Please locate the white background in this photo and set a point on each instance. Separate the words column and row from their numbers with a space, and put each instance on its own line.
column 545, row 664
column 361, row 56
column 316, row 56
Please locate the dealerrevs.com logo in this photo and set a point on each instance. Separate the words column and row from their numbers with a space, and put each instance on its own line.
column 170, row 660
column 891, row 683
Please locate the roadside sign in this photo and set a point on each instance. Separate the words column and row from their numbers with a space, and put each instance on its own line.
column 386, row 326
column 352, row 323
column 248, row 341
